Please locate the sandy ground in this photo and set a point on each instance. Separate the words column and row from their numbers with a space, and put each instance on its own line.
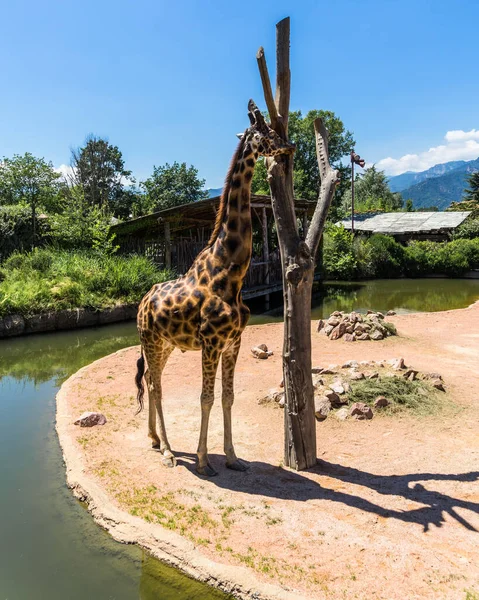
column 391, row 511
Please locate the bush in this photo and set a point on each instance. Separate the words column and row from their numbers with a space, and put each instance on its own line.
column 468, row 230
column 48, row 279
column 339, row 261
column 386, row 255
column 16, row 229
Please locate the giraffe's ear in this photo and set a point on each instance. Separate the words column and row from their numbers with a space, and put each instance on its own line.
column 240, row 135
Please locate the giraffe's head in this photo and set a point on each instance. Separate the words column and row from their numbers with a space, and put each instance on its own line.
column 264, row 140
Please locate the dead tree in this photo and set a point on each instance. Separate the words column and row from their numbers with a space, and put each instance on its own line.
column 297, row 259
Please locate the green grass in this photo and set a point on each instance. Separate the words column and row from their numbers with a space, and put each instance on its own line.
column 418, row 396
column 47, row 279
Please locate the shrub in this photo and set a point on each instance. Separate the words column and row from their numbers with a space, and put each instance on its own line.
column 338, row 257
column 386, row 256
column 16, row 229
column 468, row 230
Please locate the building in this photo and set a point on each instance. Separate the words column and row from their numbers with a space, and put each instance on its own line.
column 173, row 237
column 405, row 226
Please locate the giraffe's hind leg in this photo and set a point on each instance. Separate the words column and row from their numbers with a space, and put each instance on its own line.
column 157, row 356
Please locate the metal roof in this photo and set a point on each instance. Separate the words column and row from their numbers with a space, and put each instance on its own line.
column 407, row 222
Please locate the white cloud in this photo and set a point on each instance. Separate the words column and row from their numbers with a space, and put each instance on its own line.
column 460, row 145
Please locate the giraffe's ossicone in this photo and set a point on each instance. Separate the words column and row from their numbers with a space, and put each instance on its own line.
column 203, row 309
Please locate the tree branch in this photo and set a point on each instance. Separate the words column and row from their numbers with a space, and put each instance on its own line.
column 283, row 74
column 265, row 80
column 329, row 181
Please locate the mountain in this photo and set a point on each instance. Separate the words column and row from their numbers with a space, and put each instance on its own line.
column 214, row 192
column 401, row 182
column 441, row 190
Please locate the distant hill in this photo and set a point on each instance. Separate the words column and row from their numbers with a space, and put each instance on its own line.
column 398, row 183
column 214, row 192
column 441, row 190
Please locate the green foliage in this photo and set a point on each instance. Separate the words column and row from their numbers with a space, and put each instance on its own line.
column 409, row 207
column 173, row 185
column 16, row 229
column 471, row 194
column 339, row 261
column 306, row 173
column 380, row 256
column 467, row 230
column 48, row 279
column 81, row 225
column 99, row 170
column 372, row 194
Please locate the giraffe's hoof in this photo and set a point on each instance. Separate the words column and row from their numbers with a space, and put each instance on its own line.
column 156, row 446
column 169, row 461
column 207, row 470
column 238, row 465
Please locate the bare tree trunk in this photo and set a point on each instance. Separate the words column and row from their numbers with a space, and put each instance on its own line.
column 297, row 259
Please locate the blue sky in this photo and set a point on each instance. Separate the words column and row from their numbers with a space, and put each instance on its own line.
column 170, row 81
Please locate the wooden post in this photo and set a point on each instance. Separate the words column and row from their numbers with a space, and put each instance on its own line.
column 264, row 221
column 297, row 259
column 167, row 245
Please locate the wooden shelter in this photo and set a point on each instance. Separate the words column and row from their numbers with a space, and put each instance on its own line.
column 173, row 237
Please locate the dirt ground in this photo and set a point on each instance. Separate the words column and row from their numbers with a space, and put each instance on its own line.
column 391, row 511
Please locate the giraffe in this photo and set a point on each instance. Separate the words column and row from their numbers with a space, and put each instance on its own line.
column 203, row 309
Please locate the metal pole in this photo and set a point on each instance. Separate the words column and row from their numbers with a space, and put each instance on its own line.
column 352, row 194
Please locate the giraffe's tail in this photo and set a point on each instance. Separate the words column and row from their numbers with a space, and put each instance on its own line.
column 140, row 365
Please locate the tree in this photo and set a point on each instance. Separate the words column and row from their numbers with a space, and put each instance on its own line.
column 297, row 258
column 372, row 193
column 173, row 185
column 31, row 181
column 409, row 206
column 306, row 177
column 471, row 194
column 99, row 169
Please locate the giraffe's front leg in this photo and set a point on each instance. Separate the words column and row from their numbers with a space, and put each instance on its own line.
column 210, row 360
column 228, row 363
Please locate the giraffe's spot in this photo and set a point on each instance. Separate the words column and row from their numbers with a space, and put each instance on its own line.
column 242, row 168
column 256, row 156
column 150, row 321
column 207, row 329
column 214, row 340
column 200, row 268
column 236, row 183
column 162, row 321
column 220, row 283
column 168, row 302
column 198, row 294
column 261, row 148
column 250, row 162
column 204, row 280
column 219, row 249
column 191, row 280
column 236, row 168
column 232, row 244
column 233, row 224
column 248, row 176
column 246, row 228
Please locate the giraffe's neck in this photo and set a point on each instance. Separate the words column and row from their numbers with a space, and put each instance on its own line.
column 233, row 245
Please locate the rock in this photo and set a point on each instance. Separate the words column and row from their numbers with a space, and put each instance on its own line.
column 320, row 325
column 364, row 363
column 272, row 396
column 337, row 386
column 397, row 363
column 337, row 332
column 376, row 335
column 390, row 313
column 336, row 313
column 347, row 387
column 438, row 384
column 349, row 329
column 349, row 337
column 381, row 402
column 373, row 375
column 334, row 399
column 317, row 369
column 260, row 352
column 349, row 364
column 363, row 336
column 341, row 414
column 281, row 385
column 380, row 315
column 328, row 371
column 322, row 406
column 360, row 411
column 357, row 376
column 328, row 329
column 13, row 325
column 281, row 403
column 333, row 321
column 410, row 374
column 432, row 376
column 90, row 419
column 370, row 312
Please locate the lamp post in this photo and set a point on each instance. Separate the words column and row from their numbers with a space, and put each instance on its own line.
column 355, row 160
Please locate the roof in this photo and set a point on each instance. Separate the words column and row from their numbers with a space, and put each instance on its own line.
column 407, row 222
column 201, row 213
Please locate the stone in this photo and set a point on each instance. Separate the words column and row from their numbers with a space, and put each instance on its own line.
column 272, row 396
column 333, row 321
column 349, row 337
column 438, row 385
column 259, row 352
column 380, row 315
column 342, row 414
column 381, row 402
column 334, row 399
column 347, row 387
column 357, row 376
column 337, row 386
column 370, row 312
column 390, row 313
column 13, row 325
column 281, row 385
column 363, row 336
column 322, row 407
column 328, row 371
column 373, row 375
column 349, row 328
column 410, row 374
column 317, row 369
column 281, row 403
column 397, row 363
column 350, row 363
column 320, row 325
column 337, row 332
column 111, row 315
column 90, row 419
column 360, row 411
column 328, row 329
column 376, row 335
column 432, row 376
column 336, row 313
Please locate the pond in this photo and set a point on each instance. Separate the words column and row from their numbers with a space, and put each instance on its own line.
column 50, row 547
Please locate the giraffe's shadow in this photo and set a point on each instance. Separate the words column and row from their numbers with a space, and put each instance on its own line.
column 276, row 482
